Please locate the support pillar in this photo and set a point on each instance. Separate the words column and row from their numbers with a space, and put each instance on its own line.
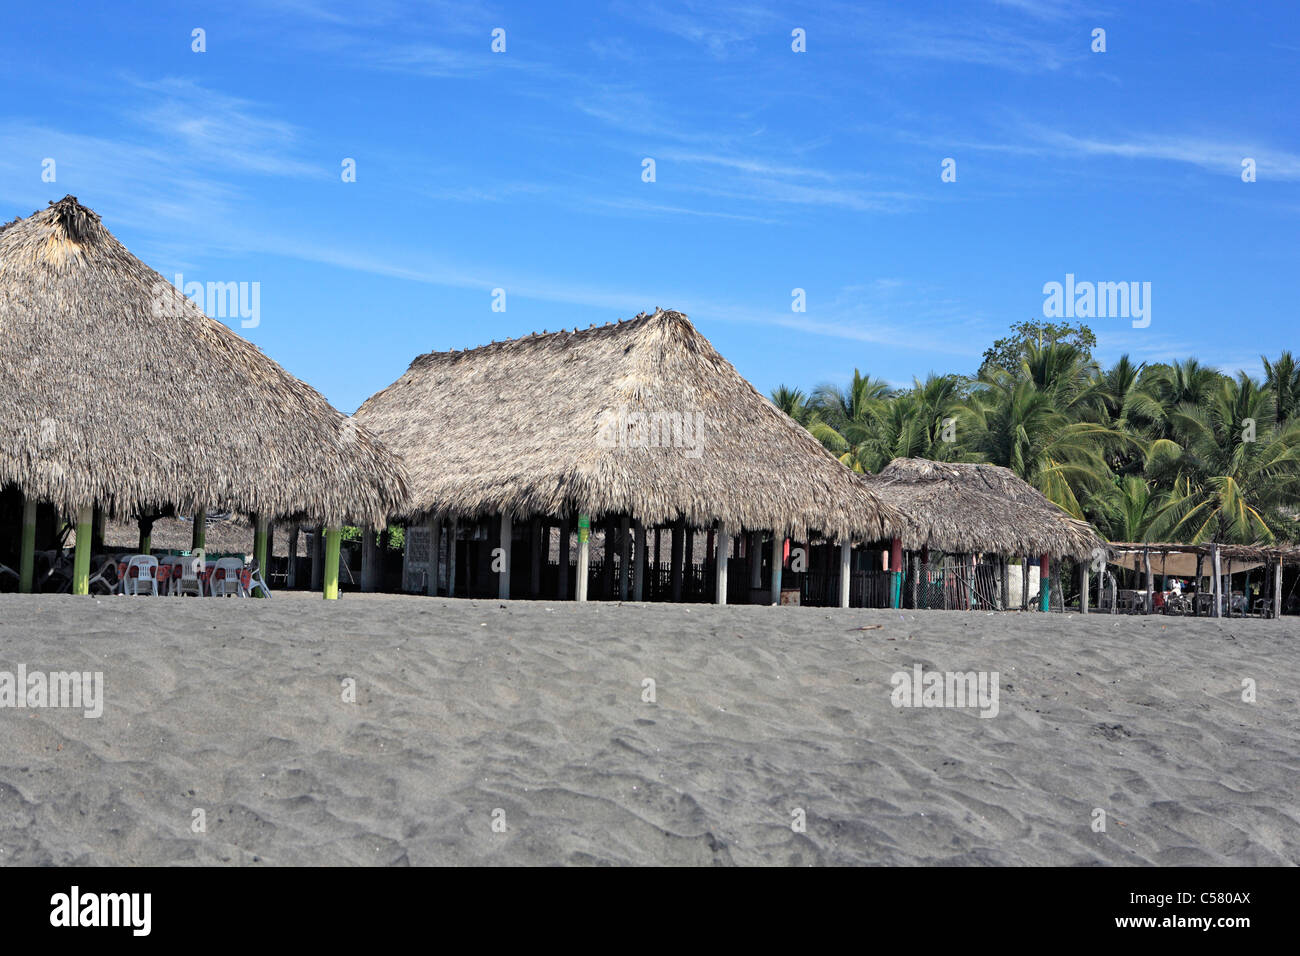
column 27, row 557
column 1044, row 583
column 145, row 543
column 584, row 556
column 846, row 575
column 638, row 589
column 1083, row 587
column 720, row 576
column 291, row 578
column 1216, row 589
column 896, row 573
column 625, row 559
column 318, row 557
column 452, row 533
column 81, row 557
column 368, row 558
column 435, row 557
column 1277, row 588
column 330, row 575
column 503, row 576
column 199, row 535
column 755, row 560
column 778, row 561
column 677, row 544
column 259, row 549
column 565, row 546
column 536, row 530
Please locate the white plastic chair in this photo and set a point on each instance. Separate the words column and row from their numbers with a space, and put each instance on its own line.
column 145, row 568
column 189, row 581
column 255, row 581
column 225, row 578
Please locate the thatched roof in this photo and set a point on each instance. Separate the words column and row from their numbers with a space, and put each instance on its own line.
column 553, row 423
column 117, row 389
column 959, row 507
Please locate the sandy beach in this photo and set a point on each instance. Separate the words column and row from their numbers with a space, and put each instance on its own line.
column 464, row 709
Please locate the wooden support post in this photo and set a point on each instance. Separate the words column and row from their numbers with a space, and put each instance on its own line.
column 584, row 556
column 537, row 529
column 896, row 572
column 846, row 575
column 1149, row 580
column 291, row 579
column 27, row 556
column 1083, row 586
column 503, row 576
column 624, row 559
column 607, row 569
column 199, row 535
column 1277, row 588
column 638, row 590
column 720, row 573
column 453, row 533
column 1045, row 583
column 145, row 542
column 678, row 543
column 778, row 562
column 1004, row 568
column 565, row 551
column 259, row 550
column 1216, row 609
column 755, row 560
column 1024, row 582
column 81, row 557
column 330, row 577
column 435, row 557
column 688, row 562
column 318, row 557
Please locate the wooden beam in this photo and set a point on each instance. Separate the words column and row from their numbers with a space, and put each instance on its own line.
column 778, row 562
column 1045, row 583
column 199, row 534
column 638, row 589
column 259, row 550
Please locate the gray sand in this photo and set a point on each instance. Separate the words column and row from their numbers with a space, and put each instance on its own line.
column 463, row 708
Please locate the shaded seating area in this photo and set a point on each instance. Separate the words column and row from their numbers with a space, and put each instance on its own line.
column 629, row 461
column 76, row 306
column 1204, row 580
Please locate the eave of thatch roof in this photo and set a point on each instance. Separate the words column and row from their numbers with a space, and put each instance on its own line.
column 546, row 425
column 118, row 390
column 962, row 507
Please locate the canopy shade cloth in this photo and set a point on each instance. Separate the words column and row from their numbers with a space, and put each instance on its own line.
column 119, row 391
column 641, row 417
column 1179, row 564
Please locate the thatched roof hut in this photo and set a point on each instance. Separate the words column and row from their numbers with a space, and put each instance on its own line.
column 119, row 390
column 960, row 507
column 641, row 417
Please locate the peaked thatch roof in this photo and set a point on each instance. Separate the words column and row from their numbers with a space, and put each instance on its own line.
column 117, row 389
column 552, row 423
column 960, row 507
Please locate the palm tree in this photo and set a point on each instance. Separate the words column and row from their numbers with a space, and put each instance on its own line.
column 1283, row 377
column 794, row 403
column 848, row 418
column 1029, row 421
column 1233, row 471
column 1126, row 509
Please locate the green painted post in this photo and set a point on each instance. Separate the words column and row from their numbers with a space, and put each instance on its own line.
column 27, row 559
column 81, row 557
column 146, row 535
column 332, row 538
column 896, row 573
column 1044, row 584
column 199, row 537
column 259, row 549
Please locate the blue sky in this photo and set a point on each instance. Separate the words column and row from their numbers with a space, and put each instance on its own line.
column 775, row 170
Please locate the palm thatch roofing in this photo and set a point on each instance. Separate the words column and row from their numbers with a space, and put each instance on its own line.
column 963, row 507
column 118, row 390
column 642, row 417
